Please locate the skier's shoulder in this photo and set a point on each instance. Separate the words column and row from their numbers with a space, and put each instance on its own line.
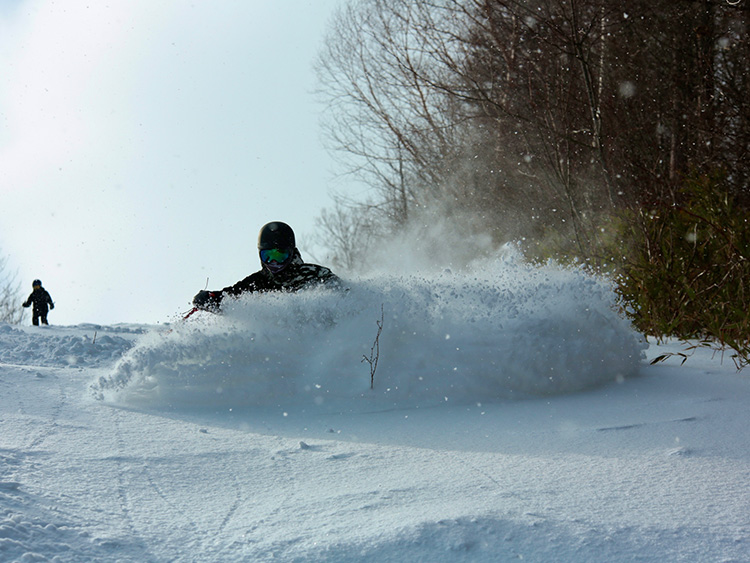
column 309, row 273
column 317, row 269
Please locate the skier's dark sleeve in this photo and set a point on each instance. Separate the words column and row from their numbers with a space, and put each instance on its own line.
column 251, row 284
column 49, row 300
column 211, row 300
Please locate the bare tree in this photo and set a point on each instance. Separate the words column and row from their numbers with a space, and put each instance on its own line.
column 385, row 116
column 10, row 296
column 539, row 116
column 347, row 232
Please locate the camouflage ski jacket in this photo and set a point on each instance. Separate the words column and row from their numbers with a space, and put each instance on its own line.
column 297, row 275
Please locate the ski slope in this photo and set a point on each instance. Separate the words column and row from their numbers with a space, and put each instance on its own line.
column 513, row 416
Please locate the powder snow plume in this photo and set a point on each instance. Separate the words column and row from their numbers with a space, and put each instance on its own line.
column 509, row 331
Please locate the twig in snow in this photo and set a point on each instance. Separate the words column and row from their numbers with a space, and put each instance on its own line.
column 374, row 351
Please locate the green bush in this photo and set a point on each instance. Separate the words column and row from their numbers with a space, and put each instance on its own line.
column 688, row 269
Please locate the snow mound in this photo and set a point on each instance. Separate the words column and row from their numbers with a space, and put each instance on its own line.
column 511, row 332
column 64, row 346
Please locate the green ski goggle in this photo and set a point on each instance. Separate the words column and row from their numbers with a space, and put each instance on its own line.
column 275, row 255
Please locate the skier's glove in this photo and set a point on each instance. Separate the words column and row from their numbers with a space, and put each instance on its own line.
column 204, row 300
column 51, row 306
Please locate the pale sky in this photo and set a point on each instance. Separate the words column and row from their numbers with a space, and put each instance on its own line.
column 143, row 144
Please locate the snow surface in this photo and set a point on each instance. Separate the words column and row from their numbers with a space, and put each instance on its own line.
column 514, row 416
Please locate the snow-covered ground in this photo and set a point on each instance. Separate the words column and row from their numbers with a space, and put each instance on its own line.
column 513, row 416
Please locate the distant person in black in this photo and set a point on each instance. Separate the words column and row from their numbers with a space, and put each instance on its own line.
column 40, row 299
column 282, row 269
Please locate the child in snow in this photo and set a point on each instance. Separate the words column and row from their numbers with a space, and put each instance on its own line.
column 282, row 269
column 40, row 299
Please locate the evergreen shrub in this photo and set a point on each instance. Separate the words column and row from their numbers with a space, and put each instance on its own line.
column 687, row 273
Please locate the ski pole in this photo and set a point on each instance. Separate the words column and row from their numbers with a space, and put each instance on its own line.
column 190, row 312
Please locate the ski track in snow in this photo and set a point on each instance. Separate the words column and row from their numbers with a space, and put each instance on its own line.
column 255, row 437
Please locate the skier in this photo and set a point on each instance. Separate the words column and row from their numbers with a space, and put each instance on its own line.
column 40, row 299
column 282, row 269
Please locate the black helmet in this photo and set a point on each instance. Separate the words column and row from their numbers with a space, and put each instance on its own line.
column 276, row 235
column 36, row 283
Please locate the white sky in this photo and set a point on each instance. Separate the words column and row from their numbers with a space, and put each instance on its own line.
column 143, row 144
